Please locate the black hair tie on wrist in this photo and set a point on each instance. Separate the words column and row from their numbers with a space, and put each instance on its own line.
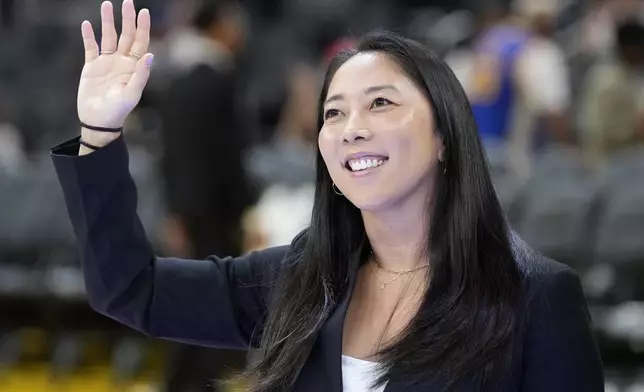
column 90, row 146
column 101, row 129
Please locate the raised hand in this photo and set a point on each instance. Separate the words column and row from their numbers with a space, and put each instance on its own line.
column 115, row 75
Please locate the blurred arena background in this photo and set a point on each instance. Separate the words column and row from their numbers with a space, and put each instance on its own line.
column 571, row 179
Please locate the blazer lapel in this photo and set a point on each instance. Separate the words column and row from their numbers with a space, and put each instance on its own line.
column 323, row 369
column 330, row 338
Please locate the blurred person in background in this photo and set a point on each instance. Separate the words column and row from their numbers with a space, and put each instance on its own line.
column 595, row 33
column 289, row 157
column 518, row 81
column 203, row 144
column 612, row 115
column 542, row 77
column 285, row 168
column 215, row 32
column 591, row 38
column 491, row 86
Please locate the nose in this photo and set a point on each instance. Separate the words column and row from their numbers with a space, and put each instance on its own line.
column 355, row 131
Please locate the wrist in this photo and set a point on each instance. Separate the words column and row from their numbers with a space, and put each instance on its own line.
column 98, row 138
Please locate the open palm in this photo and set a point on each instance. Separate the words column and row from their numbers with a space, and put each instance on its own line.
column 113, row 78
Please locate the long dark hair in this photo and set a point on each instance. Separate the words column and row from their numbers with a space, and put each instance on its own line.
column 468, row 320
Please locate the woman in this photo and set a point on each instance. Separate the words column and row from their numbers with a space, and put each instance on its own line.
column 408, row 278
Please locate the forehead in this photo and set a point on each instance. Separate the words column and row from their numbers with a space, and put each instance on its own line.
column 366, row 70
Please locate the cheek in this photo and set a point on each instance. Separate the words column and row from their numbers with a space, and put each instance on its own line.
column 414, row 142
column 327, row 146
column 405, row 133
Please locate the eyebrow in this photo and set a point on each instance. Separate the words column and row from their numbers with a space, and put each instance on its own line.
column 368, row 90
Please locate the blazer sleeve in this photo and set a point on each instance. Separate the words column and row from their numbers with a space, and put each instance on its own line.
column 561, row 354
column 218, row 302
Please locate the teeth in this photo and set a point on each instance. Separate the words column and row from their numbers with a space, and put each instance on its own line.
column 363, row 164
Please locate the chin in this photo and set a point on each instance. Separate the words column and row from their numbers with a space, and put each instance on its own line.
column 369, row 203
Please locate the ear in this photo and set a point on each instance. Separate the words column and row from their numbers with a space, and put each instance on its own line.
column 441, row 147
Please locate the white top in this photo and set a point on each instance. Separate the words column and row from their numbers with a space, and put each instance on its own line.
column 358, row 375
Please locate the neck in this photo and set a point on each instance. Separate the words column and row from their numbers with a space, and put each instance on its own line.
column 398, row 235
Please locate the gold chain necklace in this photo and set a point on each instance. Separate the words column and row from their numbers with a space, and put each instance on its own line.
column 382, row 284
column 396, row 273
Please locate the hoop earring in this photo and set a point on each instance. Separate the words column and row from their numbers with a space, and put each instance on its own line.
column 336, row 190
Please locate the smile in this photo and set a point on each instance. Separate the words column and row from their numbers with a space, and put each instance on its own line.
column 365, row 164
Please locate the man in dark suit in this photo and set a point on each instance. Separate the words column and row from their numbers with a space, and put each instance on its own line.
column 206, row 188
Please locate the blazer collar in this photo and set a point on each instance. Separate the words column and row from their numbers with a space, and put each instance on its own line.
column 330, row 338
column 323, row 370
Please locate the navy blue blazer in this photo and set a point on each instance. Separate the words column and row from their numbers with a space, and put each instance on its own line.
column 220, row 302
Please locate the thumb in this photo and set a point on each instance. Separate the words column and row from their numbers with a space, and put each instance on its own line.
column 141, row 75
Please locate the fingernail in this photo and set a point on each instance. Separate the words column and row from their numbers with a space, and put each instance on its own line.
column 148, row 63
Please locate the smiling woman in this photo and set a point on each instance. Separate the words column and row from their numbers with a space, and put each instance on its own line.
column 440, row 293
column 374, row 111
column 409, row 279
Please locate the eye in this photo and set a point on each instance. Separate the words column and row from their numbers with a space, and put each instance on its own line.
column 331, row 113
column 380, row 102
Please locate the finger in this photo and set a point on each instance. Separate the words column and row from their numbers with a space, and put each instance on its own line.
column 142, row 41
column 141, row 75
column 89, row 41
column 108, row 40
column 128, row 29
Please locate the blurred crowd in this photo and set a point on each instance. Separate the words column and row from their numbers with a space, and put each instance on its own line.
column 223, row 151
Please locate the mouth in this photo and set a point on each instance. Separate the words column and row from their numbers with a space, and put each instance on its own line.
column 365, row 164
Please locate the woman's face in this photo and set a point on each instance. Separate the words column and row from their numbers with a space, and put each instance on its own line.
column 378, row 139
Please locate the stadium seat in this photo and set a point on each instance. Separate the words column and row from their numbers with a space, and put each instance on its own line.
column 555, row 209
column 620, row 235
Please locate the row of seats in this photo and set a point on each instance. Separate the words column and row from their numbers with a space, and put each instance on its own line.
column 575, row 216
column 570, row 215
